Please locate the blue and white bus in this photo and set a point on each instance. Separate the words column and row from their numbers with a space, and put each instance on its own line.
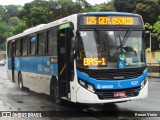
column 95, row 57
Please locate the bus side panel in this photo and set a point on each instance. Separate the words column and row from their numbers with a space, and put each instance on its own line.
column 37, row 73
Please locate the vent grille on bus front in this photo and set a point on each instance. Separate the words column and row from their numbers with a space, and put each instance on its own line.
column 113, row 74
column 104, row 94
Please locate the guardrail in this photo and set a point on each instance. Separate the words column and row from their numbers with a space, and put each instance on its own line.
column 2, row 55
column 154, row 69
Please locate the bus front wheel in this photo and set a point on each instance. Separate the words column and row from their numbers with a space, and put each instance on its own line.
column 20, row 81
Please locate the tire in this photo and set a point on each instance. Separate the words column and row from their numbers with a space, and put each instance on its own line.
column 54, row 90
column 20, row 81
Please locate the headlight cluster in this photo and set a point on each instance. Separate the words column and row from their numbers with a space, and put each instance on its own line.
column 144, row 82
column 86, row 85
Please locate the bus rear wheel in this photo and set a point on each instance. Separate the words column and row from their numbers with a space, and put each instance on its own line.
column 20, row 81
column 55, row 91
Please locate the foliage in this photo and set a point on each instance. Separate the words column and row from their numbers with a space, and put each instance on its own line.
column 8, row 19
column 20, row 28
column 84, row 6
column 124, row 6
column 104, row 7
column 156, row 30
column 41, row 11
column 5, row 31
column 34, row 13
column 149, row 10
column 2, row 12
column 12, row 10
column 15, row 19
column 63, row 8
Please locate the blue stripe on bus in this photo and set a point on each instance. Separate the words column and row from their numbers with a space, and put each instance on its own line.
column 113, row 84
column 111, row 13
column 39, row 65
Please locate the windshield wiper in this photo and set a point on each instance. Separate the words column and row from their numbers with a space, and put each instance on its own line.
column 98, row 31
column 125, row 37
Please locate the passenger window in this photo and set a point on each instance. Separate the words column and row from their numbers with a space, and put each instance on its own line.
column 41, row 43
column 24, row 46
column 33, row 46
column 18, row 47
column 9, row 49
column 52, row 42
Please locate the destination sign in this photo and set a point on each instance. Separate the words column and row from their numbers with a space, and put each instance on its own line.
column 110, row 20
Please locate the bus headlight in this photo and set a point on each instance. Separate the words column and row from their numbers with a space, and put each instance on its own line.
column 143, row 82
column 86, row 86
column 90, row 88
column 82, row 83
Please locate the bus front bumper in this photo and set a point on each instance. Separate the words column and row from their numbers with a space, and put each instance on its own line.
column 85, row 96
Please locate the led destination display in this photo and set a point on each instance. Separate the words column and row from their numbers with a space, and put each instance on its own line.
column 110, row 20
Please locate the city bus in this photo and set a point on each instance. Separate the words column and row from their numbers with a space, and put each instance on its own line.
column 94, row 57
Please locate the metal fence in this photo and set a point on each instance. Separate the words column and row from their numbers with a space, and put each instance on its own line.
column 154, row 69
column 2, row 55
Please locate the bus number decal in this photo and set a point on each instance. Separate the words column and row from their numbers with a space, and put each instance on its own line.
column 91, row 20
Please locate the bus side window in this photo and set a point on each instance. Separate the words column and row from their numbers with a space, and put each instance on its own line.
column 52, row 42
column 41, row 43
column 18, row 47
column 9, row 49
column 24, row 46
column 33, row 46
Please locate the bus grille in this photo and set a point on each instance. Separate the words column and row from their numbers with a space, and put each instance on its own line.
column 114, row 74
column 104, row 94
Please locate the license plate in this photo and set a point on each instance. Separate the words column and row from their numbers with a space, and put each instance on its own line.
column 119, row 94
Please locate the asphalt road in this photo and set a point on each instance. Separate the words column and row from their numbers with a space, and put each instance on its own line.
column 30, row 101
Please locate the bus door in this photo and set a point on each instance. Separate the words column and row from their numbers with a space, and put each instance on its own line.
column 13, row 59
column 64, row 61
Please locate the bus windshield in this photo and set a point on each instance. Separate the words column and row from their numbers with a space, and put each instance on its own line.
column 106, row 49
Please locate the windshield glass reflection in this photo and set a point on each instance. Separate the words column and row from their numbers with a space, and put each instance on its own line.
column 108, row 49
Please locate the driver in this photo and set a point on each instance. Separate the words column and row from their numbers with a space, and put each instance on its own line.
column 107, row 45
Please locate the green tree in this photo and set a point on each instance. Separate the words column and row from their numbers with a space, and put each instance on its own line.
column 149, row 10
column 5, row 31
column 3, row 12
column 156, row 30
column 41, row 11
column 14, row 21
column 124, row 5
column 107, row 6
column 12, row 10
column 63, row 8
column 8, row 20
column 20, row 28
column 33, row 12
column 84, row 5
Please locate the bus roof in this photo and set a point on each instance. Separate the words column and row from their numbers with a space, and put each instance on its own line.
column 43, row 27
column 62, row 21
column 111, row 13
